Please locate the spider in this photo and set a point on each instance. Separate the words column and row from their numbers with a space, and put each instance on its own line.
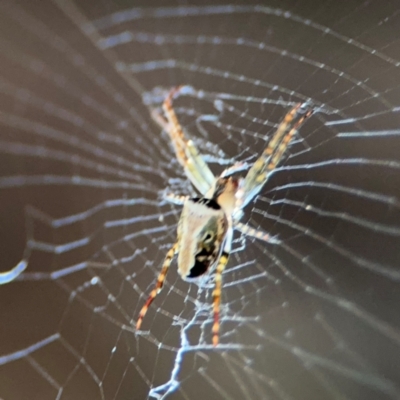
column 205, row 228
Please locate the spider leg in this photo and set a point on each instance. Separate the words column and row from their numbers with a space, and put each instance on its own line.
column 159, row 284
column 272, row 155
column 175, row 198
column 234, row 169
column 222, row 263
column 256, row 233
column 186, row 152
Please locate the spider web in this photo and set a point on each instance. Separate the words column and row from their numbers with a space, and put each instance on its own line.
column 85, row 170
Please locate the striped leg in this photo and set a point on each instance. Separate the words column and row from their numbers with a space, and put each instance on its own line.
column 159, row 284
column 173, row 198
column 186, row 152
column 272, row 155
column 256, row 233
column 223, row 261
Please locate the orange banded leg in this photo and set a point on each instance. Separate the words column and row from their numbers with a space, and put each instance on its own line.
column 279, row 151
column 159, row 284
column 283, row 127
column 186, row 152
column 223, row 261
column 276, row 148
column 175, row 130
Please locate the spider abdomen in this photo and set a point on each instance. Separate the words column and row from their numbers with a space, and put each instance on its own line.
column 202, row 229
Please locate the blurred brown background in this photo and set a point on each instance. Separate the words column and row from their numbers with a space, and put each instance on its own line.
column 82, row 172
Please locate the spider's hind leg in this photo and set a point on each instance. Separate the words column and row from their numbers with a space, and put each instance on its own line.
column 196, row 169
column 159, row 284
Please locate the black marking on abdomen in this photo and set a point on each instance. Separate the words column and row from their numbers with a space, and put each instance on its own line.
column 210, row 203
column 202, row 263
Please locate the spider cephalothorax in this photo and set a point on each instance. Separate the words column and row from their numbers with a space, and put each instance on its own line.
column 206, row 225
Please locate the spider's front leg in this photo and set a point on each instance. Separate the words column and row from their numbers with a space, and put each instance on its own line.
column 186, row 152
column 273, row 154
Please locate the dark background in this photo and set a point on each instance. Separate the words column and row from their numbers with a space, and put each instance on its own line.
column 82, row 172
